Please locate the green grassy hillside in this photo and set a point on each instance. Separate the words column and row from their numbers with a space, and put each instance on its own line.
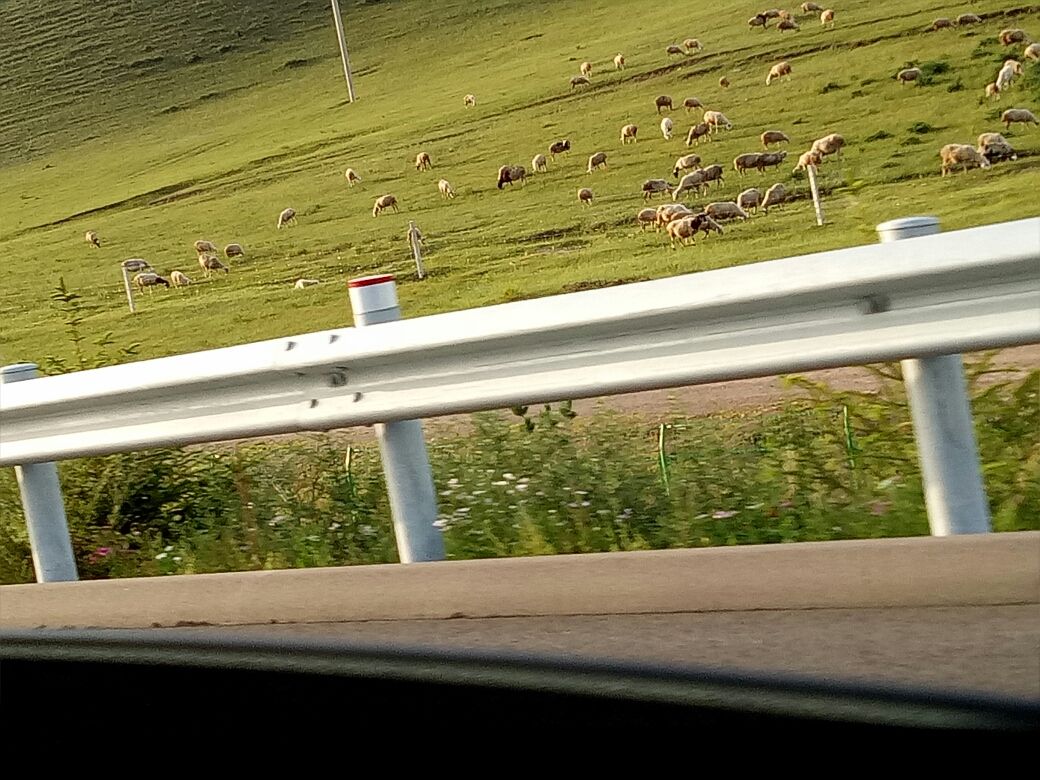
column 159, row 123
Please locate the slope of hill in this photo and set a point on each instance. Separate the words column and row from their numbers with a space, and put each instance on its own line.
column 160, row 123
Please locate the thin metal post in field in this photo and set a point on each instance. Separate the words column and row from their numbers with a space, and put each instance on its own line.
column 338, row 17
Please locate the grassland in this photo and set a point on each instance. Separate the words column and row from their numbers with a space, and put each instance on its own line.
column 159, row 123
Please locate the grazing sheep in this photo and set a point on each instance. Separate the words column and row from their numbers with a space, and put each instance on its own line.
column 136, row 264
column 646, row 217
column 992, row 90
column 628, row 133
column 774, row 137
column 1008, row 37
column 662, row 101
column 92, row 238
column 1032, row 51
column 713, row 173
column 770, row 160
column 351, row 176
column 778, row 71
column 758, row 20
column 287, row 217
column 774, row 196
column 724, row 82
column 208, row 263
column 445, row 189
column 829, row 144
column 384, row 202
column 683, row 230
column 674, row 50
column 586, row 69
column 685, row 163
column 301, row 283
column 666, row 128
column 942, row 23
column 559, row 147
column 812, row 157
column 469, row 101
column 705, row 223
column 598, row 160
column 666, row 212
column 964, row 155
column 964, row 19
column 619, row 61
column 691, row 181
column 653, row 187
column 538, row 164
column 508, row 174
column 150, row 279
column 749, row 199
column 1007, row 74
column 1023, row 115
column 772, row 13
column 691, row 103
column 791, row 24
column 205, row 246
column 585, row 196
column 744, row 162
column 810, row 8
column 697, row 132
column 234, row 250
column 995, row 148
column 827, row 17
column 716, row 119
column 422, row 162
column 692, row 44
column 725, row 210
column 579, row 81
column 179, row 279
column 906, row 75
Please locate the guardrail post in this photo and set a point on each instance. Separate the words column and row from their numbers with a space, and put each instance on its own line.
column 43, row 506
column 936, row 388
column 409, row 479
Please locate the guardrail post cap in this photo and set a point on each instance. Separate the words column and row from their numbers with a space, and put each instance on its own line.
column 373, row 299
column 907, row 227
column 16, row 372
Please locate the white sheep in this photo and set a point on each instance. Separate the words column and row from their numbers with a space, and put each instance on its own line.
column 204, row 246
column 92, row 238
column 586, row 69
column 685, row 163
column 1007, row 74
column 721, row 210
column 749, row 199
column 445, row 189
column 234, row 250
column 827, row 17
column 384, row 202
column 1023, row 115
column 628, row 133
column 713, row 173
column 716, row 119
column 149, row 279
column 906, row 75
column 774, row 137
column 691, row 181
column 539, row 164
column 812, row 157
column 179, row 279
column 992, row 90
column 301, row 283
column 351, row 176
column 666, row 128
column 469, row 101
column 692, row 44
column 585, row 196
column 598, row 160
column 965, row 19
column 964, row 155
column 287, row 217
column 1032, row 51
column 422, row 162
column 682, row 230
column 619, row 61
column 666, row 212
column 778, row 71
column 809, row 8
column 646, row 217
column 829, row 144
column 208, row 263
column 774, row 196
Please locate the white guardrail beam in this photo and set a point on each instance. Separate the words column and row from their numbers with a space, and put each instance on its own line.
column 953, row 292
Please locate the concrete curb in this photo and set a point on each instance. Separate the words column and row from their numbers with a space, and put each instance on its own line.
column 988, row 569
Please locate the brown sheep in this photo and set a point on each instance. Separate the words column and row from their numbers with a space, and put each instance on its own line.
column 770, row 160
column 744, row 162
column 774, row 137
column 508, row 174
column 961, row 154
column 827, row 17
column 1008, row 37
column 691, row 103
column 724, row 82
column 674, row 50
column 697, row 132
column 692, row 44
column 598, row 160
column 579, row 81
column 585, row 196
column 964, row 19
column 1023, row 115
column 778, row 71
column 906, row 75
column 758, row 20
column 234, row 250
column 663, row 101
column 93, row 239
column 629, row 133
column 942, row 23
column 788, row 24
column 384, row 202
column 559, row 147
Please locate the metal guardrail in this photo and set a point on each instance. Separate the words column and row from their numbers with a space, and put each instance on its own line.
column 933, row 295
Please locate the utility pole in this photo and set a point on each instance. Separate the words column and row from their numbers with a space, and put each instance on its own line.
column 343, row 49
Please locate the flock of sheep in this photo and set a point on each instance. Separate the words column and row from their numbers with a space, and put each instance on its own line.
column 680, row 222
